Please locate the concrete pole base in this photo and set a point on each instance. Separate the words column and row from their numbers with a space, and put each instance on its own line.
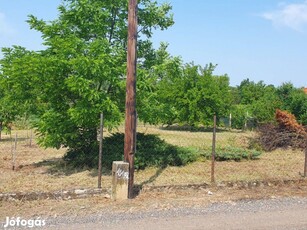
column 120, row 180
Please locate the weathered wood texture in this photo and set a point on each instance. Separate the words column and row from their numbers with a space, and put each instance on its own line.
column 130, row 121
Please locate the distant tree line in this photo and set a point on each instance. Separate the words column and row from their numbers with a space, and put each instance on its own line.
column 179, row 93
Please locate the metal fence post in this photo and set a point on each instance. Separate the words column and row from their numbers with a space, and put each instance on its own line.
column 213, row 151
column 14, row 152
column 305, row 167
column 100, row 151
column 31, row 137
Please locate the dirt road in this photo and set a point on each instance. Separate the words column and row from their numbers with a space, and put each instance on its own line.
column 281, row 213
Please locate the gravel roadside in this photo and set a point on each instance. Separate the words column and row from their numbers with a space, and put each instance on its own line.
column 280, row 213
column 275, row 206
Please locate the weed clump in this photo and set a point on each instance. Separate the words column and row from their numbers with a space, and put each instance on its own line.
column 230, row 153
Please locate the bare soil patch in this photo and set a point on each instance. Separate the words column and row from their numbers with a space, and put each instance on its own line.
column 155, row 199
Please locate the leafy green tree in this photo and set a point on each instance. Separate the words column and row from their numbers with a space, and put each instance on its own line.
column 284, row 93
column 16, row 92
column 240, row 115
column 254, row 101
column 188, row 94
column 82, row 71
column 203, row 95
column 293, row 100
column 250, row 91
column 263, row 109
column 156, row 101
column 8, row 112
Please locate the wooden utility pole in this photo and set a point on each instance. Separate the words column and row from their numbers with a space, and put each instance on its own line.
column 130, row 121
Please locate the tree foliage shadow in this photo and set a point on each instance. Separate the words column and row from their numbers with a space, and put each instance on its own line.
column 151, row 151
column 59, row 167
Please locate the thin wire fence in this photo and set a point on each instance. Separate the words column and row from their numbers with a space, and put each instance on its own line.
column 24, row 166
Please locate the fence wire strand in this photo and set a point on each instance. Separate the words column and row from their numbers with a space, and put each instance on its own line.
column 39, row 169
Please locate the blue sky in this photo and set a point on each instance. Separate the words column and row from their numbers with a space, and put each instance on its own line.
column 256, row 39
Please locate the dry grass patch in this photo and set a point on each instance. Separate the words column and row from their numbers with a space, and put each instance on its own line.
column 202, row 140
column 41, row 169
column 277, row 165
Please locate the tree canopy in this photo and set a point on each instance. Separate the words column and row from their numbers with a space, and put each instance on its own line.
column 81, row 73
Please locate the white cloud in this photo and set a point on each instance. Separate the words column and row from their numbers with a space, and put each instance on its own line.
column 5, row 29
column 293, row 16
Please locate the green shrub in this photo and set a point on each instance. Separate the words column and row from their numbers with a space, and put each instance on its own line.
column 150, row 151
column 233, row 153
